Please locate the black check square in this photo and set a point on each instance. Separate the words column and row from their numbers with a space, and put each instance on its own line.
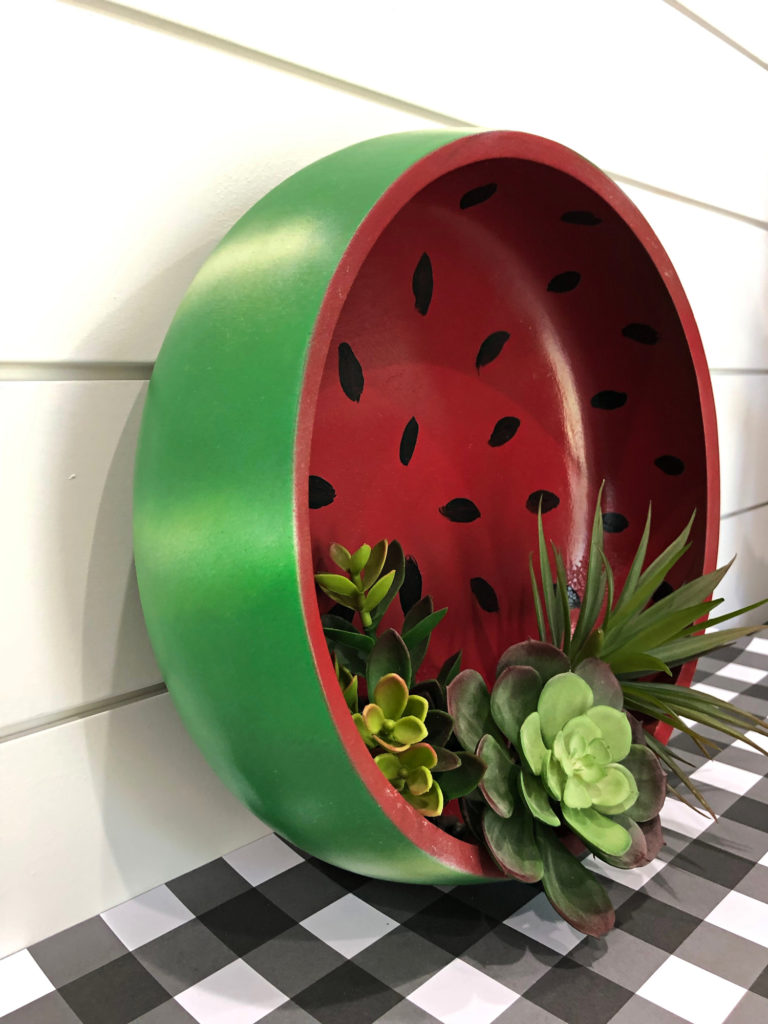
column 402, row 960
column 451, row 924
column 657, row 923
column 246, row 922
column 114, row 994
column 713, row 863
column 77, row 951
column 302, row 890
column 577, row 994
column 293, row 960
column 749, row 812
column 208, row 886
column 348, row 995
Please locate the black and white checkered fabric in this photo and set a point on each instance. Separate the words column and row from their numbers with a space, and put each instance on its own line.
column 265, row 934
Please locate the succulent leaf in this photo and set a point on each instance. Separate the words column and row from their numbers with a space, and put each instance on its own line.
column 614, row 728
column 449, row 669
column 389, row 764
column 605, row 687
column 573, row 891
column 464, row 779
column 514, row 696
column 439, row 726
column 651, row 781
column 430, row 804
column 419, row 755
column 512, row 844
column 394, row 561
column 350, row 638
column 336, row 585
column 498, row 783
column 532, row 745
column 375, row 563
column 409, row 729
column 378, row 592
column 615, row 792
column 469, row 704
column 547, row 660
column 636, row 853
column 390, row 695
column 598, row 831
column 340, row 556
column 389, row 655
column 416, row 706
column 563, row 697
column 359, row 560
column 535, row 796
column 447, row 760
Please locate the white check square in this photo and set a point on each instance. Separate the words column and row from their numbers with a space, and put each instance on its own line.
column 691, row 992
column 21, row 981
column 349, row 925
column 726, row 776
column 541, row 922
column 234, row 995
column 742, row 915
column 263, row 859
column 146, row 917
column 460, row 994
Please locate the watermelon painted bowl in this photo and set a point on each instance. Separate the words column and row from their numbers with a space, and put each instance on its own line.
column 420, row 337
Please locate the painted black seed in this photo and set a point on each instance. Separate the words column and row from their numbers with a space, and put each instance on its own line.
column 670, row 464
column 548, row 501
column 321, row 493
column 477, row 195
column 491, row 348
column 460, row 510
column 350, row 373
column 574, row 601
column 408, row 440
column 614, row 522
column 484, row 593
column 663, row 590
column 643, row 333
column 608, row 399
column 504, row 431
column 422, row 284
column 581, row 217
column 564, row 282
column 410, row 592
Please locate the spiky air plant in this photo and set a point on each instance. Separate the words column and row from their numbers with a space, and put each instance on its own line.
column 403, row 723
column 639, row 637
column 561, row 756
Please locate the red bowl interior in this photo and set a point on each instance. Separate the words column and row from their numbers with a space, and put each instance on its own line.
column 512, row 333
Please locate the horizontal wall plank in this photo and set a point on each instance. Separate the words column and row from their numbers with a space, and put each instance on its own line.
column 743, row 21
column 100, row 810
column 745, row 535
column 139, row 152
column 723, row 266
column 73, row 630
column 636, row 87
column 741, row 401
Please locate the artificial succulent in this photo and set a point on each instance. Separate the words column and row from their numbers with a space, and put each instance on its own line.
column 561, row 755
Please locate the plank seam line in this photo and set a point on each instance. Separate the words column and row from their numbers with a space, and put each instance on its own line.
column 62, row 370
column 716, row 32
column 741, row 511
column 209, row 39
column 41, row 723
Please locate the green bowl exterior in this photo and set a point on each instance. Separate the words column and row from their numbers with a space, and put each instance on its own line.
column 216, row 513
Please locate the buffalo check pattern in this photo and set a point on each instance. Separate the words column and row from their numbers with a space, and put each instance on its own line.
column 267, row 934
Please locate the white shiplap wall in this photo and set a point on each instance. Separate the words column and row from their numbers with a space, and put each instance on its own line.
column 141, row 132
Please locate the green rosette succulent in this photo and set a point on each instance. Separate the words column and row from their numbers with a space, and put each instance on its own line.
column 561, row 757
column 410, row 772
column 394, row 719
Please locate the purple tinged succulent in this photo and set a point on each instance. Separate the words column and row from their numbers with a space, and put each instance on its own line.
column 559, row 749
